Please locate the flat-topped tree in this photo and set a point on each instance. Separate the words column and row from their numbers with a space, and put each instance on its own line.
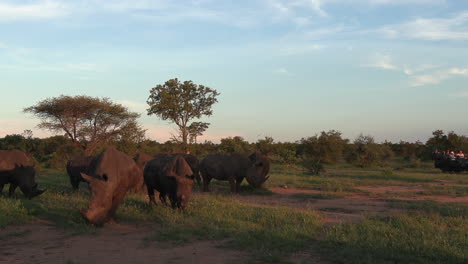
column 87, row 121
column 181, row 102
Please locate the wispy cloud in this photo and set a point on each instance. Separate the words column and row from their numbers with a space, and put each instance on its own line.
column 39, row 10
column 408, row 70
column 438, row 76
column 382, row 61
column 300, row 49
column 282, row 71
column 452, row 28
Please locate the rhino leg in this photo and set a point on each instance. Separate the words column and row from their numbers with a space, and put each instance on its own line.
column 162, row 198
column 232, row 182
column 198, row 178
column 1, row 187
column 238, row 183
column 116, row 200
column 151, row 195
column 206, row 183
column 75, row 183
column 12, row 189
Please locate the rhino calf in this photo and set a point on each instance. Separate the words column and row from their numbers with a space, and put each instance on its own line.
column 171, row 176
column 234, row 168
column 17, row 170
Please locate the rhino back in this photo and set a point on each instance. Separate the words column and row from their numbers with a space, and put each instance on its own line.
column 119, row 169
column 9, row 159
column 223, row 167
column 155, row 172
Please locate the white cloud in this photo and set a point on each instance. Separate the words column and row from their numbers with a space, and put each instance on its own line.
column 39, row 10
column 297, row 49
column 408, row 70
column 282, row 71
column 438, row 76
column 382, row 61
column 452, row 28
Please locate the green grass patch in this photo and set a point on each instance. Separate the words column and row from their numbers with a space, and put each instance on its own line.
column 13, row 211
column 409, row 238
column 268, row 233
column 442, row 209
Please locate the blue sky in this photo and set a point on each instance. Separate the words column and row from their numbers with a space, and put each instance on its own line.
column 394, row 69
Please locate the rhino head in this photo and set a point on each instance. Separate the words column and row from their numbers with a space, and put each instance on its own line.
column 26, row 181
column 183, row 176
column 100, row 203
column 257, row 172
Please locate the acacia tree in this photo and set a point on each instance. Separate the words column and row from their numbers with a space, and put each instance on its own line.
column 181, row 102
column 87, row 121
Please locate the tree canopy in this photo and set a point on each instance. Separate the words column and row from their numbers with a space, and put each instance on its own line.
column 181, row 102
column 87, row 121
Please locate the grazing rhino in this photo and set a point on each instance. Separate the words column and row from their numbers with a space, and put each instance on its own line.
column 235, row 168
column 194, row 164
column 171, row 176
column 17, row 169
column 75, row 167
column 111, row 175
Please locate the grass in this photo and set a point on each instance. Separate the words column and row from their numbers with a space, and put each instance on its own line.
column 268, row 233
column 425, row 231
column 407, row 238
column 12, row 212
column 432, row 207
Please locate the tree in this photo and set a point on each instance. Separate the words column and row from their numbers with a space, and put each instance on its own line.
column 265, row 146
column 235, row 144
column 181, row 102
column 365, row 152
column 87, row 121
column 317, row 150
column 196, row 129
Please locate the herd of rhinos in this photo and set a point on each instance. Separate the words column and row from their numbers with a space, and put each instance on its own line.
column 112, row 174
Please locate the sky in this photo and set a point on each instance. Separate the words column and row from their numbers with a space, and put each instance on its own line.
column 393, row 69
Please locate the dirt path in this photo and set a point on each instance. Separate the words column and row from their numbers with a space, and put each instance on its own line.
column 42, row 243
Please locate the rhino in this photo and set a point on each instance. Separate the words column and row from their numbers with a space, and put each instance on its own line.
column 75, row 167
column 234, row 168
column 111, row 175
column 194, row 164
column 17, row 169
column 171, row 176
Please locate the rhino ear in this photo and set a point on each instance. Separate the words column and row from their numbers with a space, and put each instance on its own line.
column 87, row 177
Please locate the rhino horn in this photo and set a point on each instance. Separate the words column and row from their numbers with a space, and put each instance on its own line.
column 264, row 179
column 88, row 178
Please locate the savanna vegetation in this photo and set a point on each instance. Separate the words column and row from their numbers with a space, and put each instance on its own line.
column 406, row 231
column 329, row 199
